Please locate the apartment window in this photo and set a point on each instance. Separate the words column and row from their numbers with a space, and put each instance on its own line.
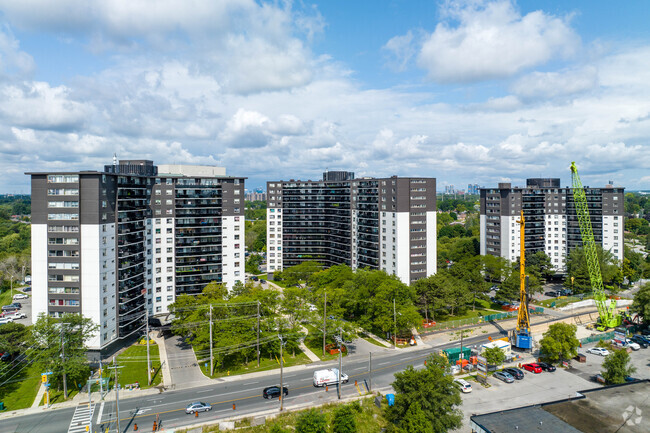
column 170, row 249
column 57, row 178
column 169, row 279
column 63, row 216
column 170, row 297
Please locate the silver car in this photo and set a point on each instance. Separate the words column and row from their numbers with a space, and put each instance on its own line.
column 198, row 406
column 506, row 377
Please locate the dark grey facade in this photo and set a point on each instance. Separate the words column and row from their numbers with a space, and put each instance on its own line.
column 378, row 223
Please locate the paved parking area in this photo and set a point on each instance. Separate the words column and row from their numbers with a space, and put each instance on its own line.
column 543, row 387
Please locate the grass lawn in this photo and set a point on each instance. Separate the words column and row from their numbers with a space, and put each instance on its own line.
column 134, row 360
column 369, row 419
column 21, row 394
column 251, row 367
column 315, row 344
column 57, row 396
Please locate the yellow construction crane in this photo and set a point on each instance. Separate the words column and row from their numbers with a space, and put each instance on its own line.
column 523, row 338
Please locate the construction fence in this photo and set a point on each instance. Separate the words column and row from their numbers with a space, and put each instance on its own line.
column 598, row 337
column 451, row 324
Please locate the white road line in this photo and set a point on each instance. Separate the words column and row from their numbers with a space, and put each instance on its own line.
column 100, row 413
column 251, row 383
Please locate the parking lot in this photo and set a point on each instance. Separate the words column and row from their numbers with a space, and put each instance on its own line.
column 26, row 308
column 543, row 387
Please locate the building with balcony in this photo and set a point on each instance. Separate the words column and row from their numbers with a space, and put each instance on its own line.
column 111, row 245
column 551, row 220
column 384, row 223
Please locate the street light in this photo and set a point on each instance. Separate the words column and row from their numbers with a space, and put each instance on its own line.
column 282, row 343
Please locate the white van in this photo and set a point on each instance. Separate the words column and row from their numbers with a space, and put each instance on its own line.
column 464, row 385
column 329, row 377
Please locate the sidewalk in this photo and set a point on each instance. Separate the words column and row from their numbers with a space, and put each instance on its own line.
column 311, row 355
column 164, row 363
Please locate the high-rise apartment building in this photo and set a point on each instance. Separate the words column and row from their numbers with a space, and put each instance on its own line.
column 111, row 244
column 473, row 189
column 385, row 223
column 551, row 220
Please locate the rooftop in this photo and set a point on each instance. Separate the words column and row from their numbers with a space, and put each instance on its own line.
column 617, row 408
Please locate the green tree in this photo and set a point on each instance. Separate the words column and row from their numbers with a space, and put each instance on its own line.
column 345, row 418
column 253, row 264
column 577, row 267
column 559, row 342
column 494, row 355
column 50, row 334
column 416, row 421
column 617, row 367
column 311, row 421
column 641, row 303
column 539, row 264
column 433, row 389
column 13, row 337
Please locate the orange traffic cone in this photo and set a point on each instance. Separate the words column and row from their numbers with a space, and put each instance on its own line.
column 196, row 414
column 135, row 427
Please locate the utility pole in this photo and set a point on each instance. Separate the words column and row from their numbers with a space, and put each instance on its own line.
column 90, row 404
column 281, row 375
column 324, row 322
column 258, row 333
column 117, row 395
column 338, row 388
column 101, row 376
column 148, row 356
column 211, row 353
column 395, row 325
column 65, row 384
column 370, row 373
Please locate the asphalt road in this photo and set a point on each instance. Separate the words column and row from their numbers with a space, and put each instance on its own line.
column 245, row 394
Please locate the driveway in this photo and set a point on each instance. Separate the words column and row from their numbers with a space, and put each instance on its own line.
column 183, row 366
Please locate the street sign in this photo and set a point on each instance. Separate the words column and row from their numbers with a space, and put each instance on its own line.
column 481, row 368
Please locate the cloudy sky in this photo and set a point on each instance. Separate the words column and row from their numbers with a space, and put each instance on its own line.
column 465, row 91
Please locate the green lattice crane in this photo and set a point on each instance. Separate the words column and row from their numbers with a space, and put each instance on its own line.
column 608, row 317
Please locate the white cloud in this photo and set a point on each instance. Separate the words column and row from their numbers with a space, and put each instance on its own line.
column 402, row 49
column 12, row 59
column 547, row 85
column 493, row 40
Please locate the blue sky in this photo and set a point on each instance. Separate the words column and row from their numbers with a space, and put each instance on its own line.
column 465, row 91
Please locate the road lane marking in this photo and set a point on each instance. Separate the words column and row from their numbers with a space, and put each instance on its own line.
column 101, row 412
column 251, row 383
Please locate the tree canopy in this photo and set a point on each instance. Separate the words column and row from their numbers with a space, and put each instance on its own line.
column 616, row 367
column 432, row 389
column 559, row 342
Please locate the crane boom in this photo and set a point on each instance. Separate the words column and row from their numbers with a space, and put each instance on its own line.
column 607, row 314
column 523, row 338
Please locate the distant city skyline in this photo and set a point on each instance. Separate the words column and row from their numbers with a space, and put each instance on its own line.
column 466, row 91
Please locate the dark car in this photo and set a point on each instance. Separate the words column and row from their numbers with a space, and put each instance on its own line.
column 546, row 366
column 551, row 294
column 631, row 379
column 640, row 341
column 515, row 372
column 17, row 304
column 645, row 338
column 10, row 308
column 274, row 391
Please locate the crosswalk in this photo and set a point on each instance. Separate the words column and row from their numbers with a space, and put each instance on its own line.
column 81, row 418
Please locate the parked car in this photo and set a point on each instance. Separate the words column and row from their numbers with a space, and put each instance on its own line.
column 5, row 320
column 15, row 315
column 533, row 367
column 551, row 293
column 631, row 379
column 506, row 377
column 514, row 372
column 10, row 308
column 644, row 338
column 546, row 366
column 598, row 351
column 464, row 385
column 632, row 345
column 254, row 278
column 598, row 378
column 6, row 357
column 20, row 296
column 274, row 391
column 198, row 406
